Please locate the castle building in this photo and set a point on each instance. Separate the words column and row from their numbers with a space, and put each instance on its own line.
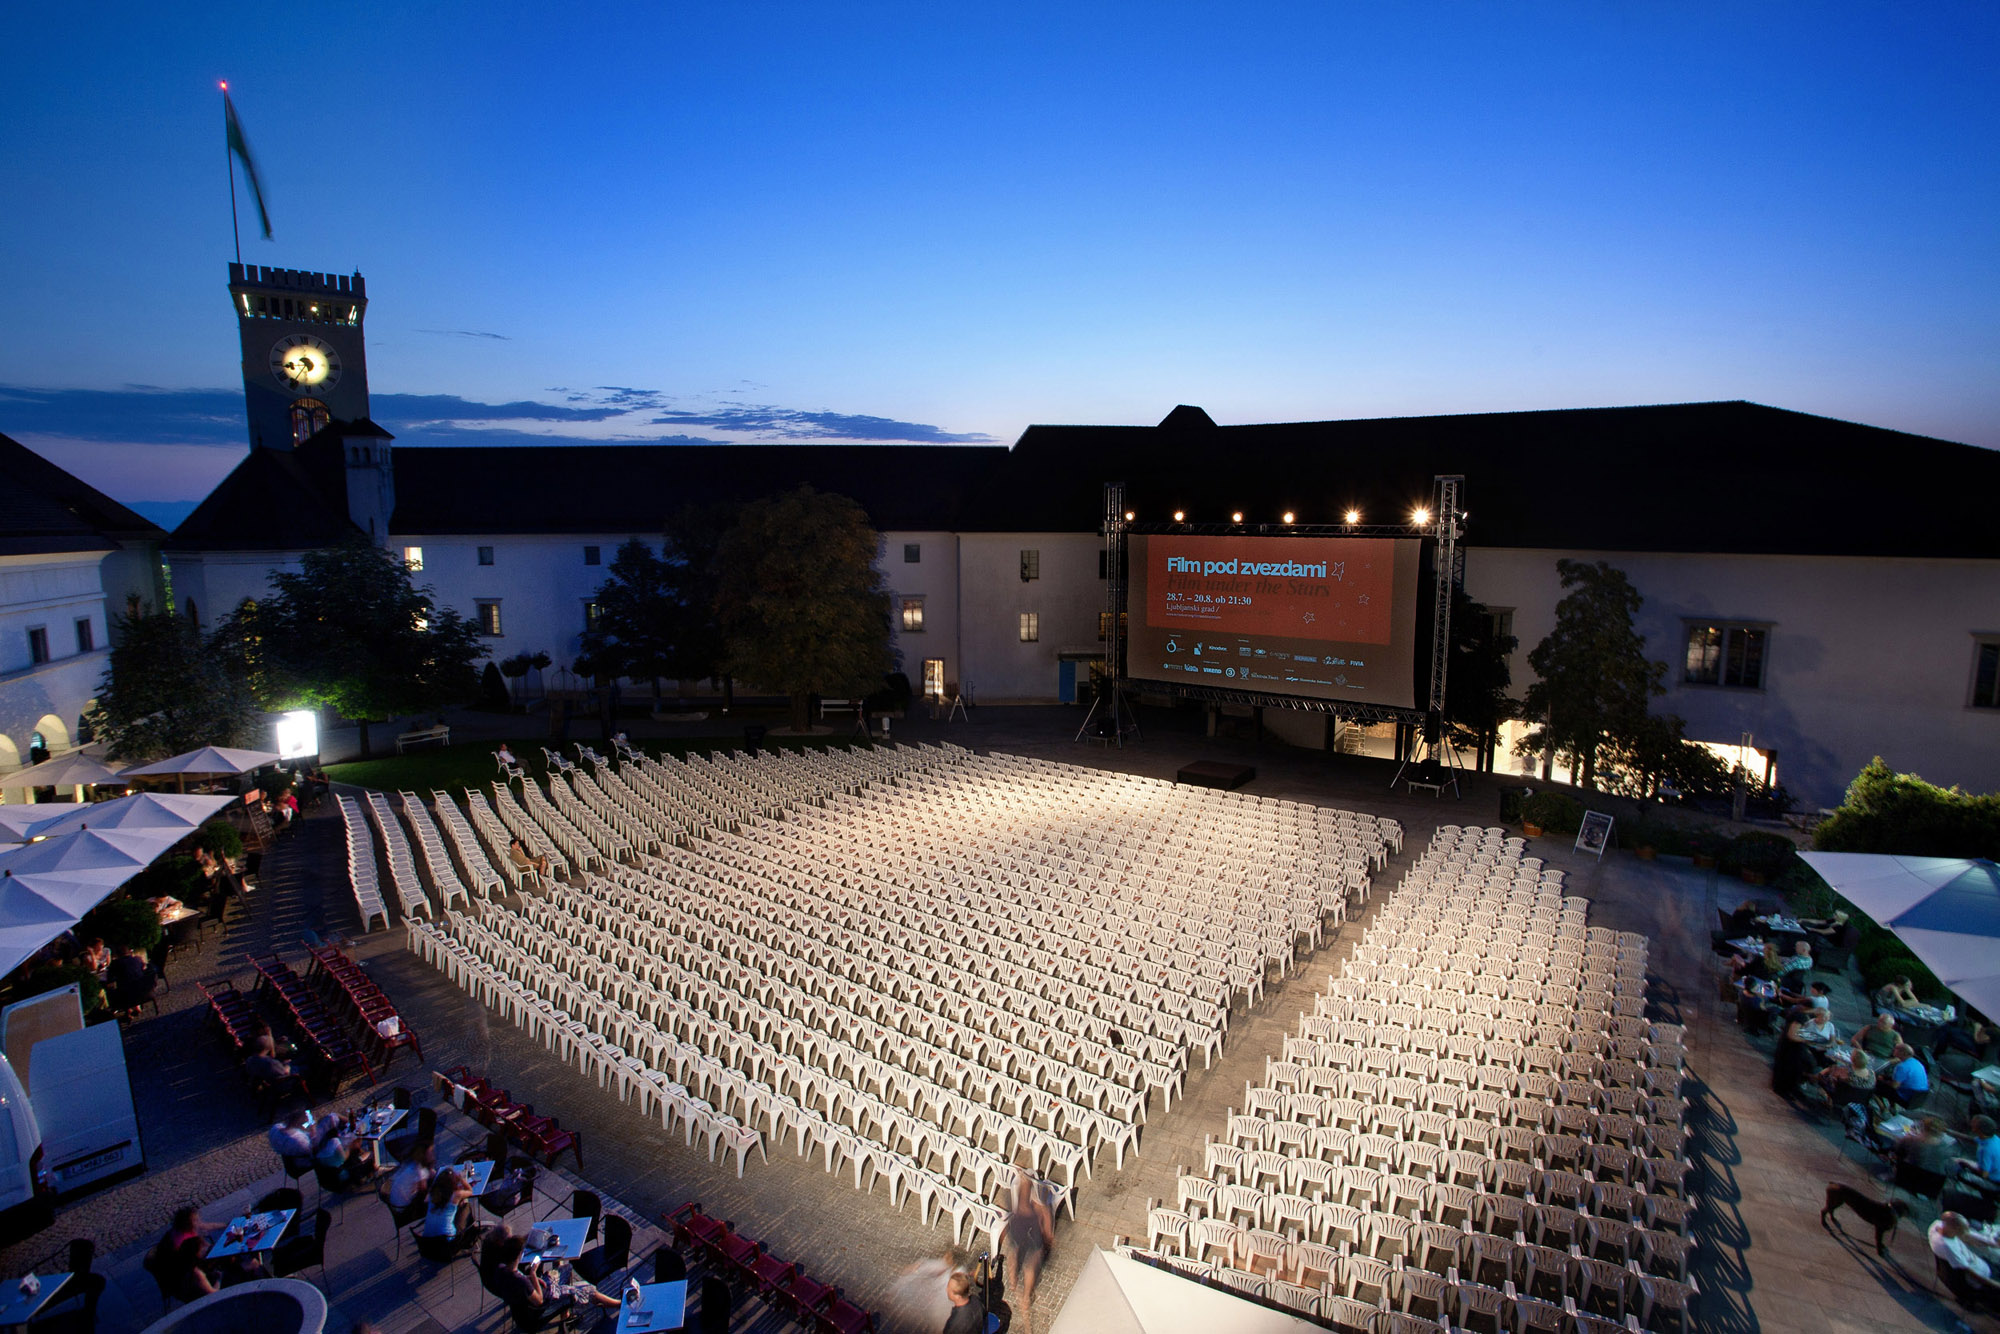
column 1820, row 591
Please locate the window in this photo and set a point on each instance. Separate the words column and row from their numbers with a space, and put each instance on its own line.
column 486, row 555
column 1726, row 655
column 1986, row 675
column 309, row 415
column 86, row 638
column 913, row 553
column 1104, row 623
column 1031, row 627
column 913, row 615
column 489, row 617
column 1031, row 565
column 38, row 644
column 593, row 617
column 1104, row 564
column 1500, row 624
column 593, row 555
column 414, row 558
column 933, row 678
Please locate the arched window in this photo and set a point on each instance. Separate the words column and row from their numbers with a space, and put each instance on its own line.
column 38, row 748
column 308, row 415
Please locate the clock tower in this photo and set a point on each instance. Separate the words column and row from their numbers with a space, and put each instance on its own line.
column 304, row 364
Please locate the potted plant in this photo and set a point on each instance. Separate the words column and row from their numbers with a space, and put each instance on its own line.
column 1705, row 846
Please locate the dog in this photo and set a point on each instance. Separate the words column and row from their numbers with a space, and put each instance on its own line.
column 1882, row 1215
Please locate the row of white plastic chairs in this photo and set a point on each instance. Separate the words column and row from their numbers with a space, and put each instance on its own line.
column 483, row 876
column 396, row 851
column 363, row 879
column 435, row 859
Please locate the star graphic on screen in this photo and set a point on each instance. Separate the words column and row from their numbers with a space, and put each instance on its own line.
column 1363, row 599
column 1309, row 618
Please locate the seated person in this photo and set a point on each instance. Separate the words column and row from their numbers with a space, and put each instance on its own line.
column 411, row 1181
column 1879, row 1038
column 264, row 1065
column 1817, row 996
column 1767, row 965
column 1906, row 1078
column 1818, row 1029
column 342, row 1150
column 183, row 1268
column 450, row 1210
column 1757, row 1004
column 292, row 1137
column 1829, row 929
column 1927, row 1148
column 521, row 857
column 1982, row 1169
column 527, row 1289
column 506, row 757
column 1897, row 995
column 1970, row 1262
column 129, row 981
column 1968, row 1035
column 1849, row 1080
column 94, row 955
column 1797, row 963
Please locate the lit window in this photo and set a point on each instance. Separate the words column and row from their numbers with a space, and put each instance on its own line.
column 414, row 558
column 913, row 553
column 1726, row 655
column 486, row 555
column 593, row 555
column 489, row 617
column 86, row 638
column 1986, row 675
column 1031, row 565
column 1104, row 623
column 38, row 644
column 593, row 616
column 308, row 416
column 913, row 615
column 1031, row 627
column 933, row 678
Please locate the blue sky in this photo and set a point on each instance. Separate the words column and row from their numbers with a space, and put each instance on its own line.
column 945, row 222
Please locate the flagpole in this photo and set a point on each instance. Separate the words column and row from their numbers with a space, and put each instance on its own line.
column 229, row 154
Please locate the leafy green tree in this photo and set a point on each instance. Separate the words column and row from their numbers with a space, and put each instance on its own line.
column 351, row 631
column 802, row 607
column 1477, row 677
column 1885, row 811
column 1594, row 679
column 169, row 689
column 1641, row 759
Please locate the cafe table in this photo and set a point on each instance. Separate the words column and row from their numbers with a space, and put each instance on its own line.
column 568, row 1236
column 476, row 1174
column 18, row 1308
column 661, row 1306
column 252, row 1233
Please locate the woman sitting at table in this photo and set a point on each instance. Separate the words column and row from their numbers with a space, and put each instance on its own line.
column 1897, row 996
column 411, row 1181
column 343, row 1151
column 1819, row 1029
column 450, row 1213
column 526, row 1289
column 1828, row 929
column 1769, row 965
column 1850, row 1078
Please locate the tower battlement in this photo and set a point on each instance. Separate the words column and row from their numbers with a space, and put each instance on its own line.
column 302, row 281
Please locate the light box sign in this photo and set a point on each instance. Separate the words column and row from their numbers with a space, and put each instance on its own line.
column 298, row 734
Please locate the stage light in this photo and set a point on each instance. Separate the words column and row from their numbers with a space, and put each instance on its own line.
column 1236, row 517
column 1352, row 516
column 1420, row 516
column 1129, row 516
column 1288, row 516
column 1180, row 516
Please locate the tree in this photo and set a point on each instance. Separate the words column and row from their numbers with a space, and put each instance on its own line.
column 656, row 611
column 1477, row 677
column 351, row 631
column 167, row 689
column 800, row 602
column 1885, row 811
column 1595, row 680
column 1653, row 754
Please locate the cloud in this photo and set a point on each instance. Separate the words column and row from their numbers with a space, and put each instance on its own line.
column 466, row 333
column 794, row 424
column 139, row 414
column 433, row 409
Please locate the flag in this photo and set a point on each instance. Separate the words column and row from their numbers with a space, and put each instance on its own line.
column 241, row 147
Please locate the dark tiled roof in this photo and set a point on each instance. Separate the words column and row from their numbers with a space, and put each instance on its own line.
column 1720, row 477
column 45, row 510
column 274, row 500
column 637, row 488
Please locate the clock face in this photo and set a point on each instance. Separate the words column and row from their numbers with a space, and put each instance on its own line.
column 303, row 363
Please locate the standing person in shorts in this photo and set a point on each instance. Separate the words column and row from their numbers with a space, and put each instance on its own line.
column 1030, row 1235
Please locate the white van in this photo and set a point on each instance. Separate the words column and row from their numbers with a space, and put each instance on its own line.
column 79, row 1095
column 22, row 1178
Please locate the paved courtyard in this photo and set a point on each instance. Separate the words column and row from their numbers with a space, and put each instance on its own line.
column 1764, row 1262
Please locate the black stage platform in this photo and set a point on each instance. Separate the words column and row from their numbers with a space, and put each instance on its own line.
column 1214, row 773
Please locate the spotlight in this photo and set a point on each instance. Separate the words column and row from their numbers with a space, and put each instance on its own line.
column 1180, row 516
column 1236, row 517
column 1352, row 516
column 1129, row 516
column 1420, row 516
column 1289, row 516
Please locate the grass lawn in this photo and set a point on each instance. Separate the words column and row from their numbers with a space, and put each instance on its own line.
column 455, row 768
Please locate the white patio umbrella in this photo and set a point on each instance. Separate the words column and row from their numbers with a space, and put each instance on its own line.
column 18, row 824
column 208, row 762
column 1946, row 909
column 65, row 771
column 142, row 812
column 18, row 944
